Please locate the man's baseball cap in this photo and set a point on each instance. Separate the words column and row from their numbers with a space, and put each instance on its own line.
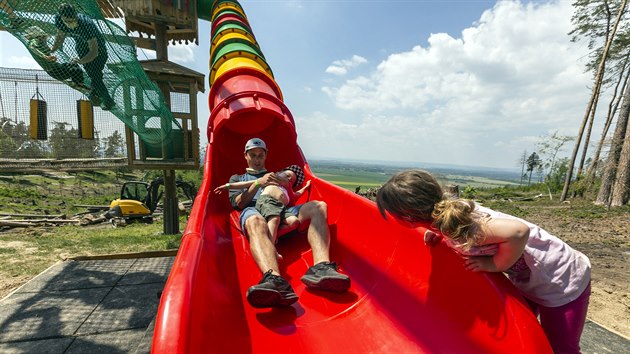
column 255, row 143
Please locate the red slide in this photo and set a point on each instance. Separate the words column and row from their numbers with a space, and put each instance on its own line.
column 405, row 297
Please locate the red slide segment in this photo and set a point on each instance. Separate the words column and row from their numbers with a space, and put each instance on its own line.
column 404, row 296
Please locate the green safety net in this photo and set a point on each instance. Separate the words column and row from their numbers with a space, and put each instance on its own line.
column 95, row 57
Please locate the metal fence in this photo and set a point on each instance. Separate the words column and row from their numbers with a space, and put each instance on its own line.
column 45, row 124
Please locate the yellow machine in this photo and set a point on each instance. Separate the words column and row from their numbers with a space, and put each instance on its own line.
column 138, row 200
column 130, row 207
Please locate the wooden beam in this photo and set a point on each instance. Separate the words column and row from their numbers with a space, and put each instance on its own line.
column 59, row 216
column 144, row 43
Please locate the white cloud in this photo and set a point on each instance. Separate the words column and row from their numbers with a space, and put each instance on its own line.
column 478, row 99
column 178, row 53
column 145, row 54
column 181, row 53
column 336, row 70
column 376, row 137
column 297, row 4
column 341, row 67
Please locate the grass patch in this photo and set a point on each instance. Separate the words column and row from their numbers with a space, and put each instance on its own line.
column 28, row 252
column 351, row 178
column 584, row 209
column 40, row 248
column 506, row 207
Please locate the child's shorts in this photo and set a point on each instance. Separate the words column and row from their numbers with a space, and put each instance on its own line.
column 251, row 211
column 269, row 207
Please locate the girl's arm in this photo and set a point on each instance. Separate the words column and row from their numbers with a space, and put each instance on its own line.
column 511, row 237
column 297, row 194
column 234, row 185
column 301, row 191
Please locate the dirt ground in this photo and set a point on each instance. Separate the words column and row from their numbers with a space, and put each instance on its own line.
column 605, row 240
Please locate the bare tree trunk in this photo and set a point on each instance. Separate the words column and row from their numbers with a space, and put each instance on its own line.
column 587, row 139
column 523, row 161
column 622, row 180
column 612, row 161
column 591, row 104
column 612, row 109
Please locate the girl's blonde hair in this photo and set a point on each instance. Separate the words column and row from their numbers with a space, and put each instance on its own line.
column 457, row 219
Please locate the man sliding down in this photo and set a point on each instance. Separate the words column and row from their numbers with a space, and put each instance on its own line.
column 273, row 290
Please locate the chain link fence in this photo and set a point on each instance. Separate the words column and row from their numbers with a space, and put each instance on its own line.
column 45, row 124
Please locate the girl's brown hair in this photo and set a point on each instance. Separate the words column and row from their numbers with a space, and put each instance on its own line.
column 415, row 195
column 409, row 195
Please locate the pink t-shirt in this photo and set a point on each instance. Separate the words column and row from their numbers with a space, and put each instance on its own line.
column 549, row 272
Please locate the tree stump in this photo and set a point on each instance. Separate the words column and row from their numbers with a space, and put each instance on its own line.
column 451, row 191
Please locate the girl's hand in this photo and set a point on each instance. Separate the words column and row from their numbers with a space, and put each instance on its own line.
column 221, row 188
column 307, row 184
column 431, row 238
column 480, row 264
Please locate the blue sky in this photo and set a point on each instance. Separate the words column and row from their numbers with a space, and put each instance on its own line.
column 458, row 82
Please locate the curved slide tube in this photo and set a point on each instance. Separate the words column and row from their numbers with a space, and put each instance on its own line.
column 404, row 296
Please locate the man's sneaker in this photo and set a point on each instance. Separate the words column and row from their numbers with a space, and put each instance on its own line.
column 324, row 276
column 272, row 291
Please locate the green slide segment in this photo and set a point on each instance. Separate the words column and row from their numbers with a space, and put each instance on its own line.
column 94, row 56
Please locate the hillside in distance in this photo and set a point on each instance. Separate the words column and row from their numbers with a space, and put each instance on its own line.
column 378, row 172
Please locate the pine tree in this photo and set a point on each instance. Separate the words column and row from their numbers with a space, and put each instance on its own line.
column 115, row 145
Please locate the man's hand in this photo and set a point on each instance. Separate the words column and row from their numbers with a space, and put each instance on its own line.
column 51, row 58
column 431, row 238
column 480, row 264
column 75, row 61
column 281, row 178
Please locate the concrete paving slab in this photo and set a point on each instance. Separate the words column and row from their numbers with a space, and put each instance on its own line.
column 144, row 347
column 70, row 275
column 102, row 306
column 148, row 270
column 53, row 345
column 125, row 307
column 28, row 316
column 599, row 340
column 107, row 343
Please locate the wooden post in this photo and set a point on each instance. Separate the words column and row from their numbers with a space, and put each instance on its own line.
column 171, row 212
